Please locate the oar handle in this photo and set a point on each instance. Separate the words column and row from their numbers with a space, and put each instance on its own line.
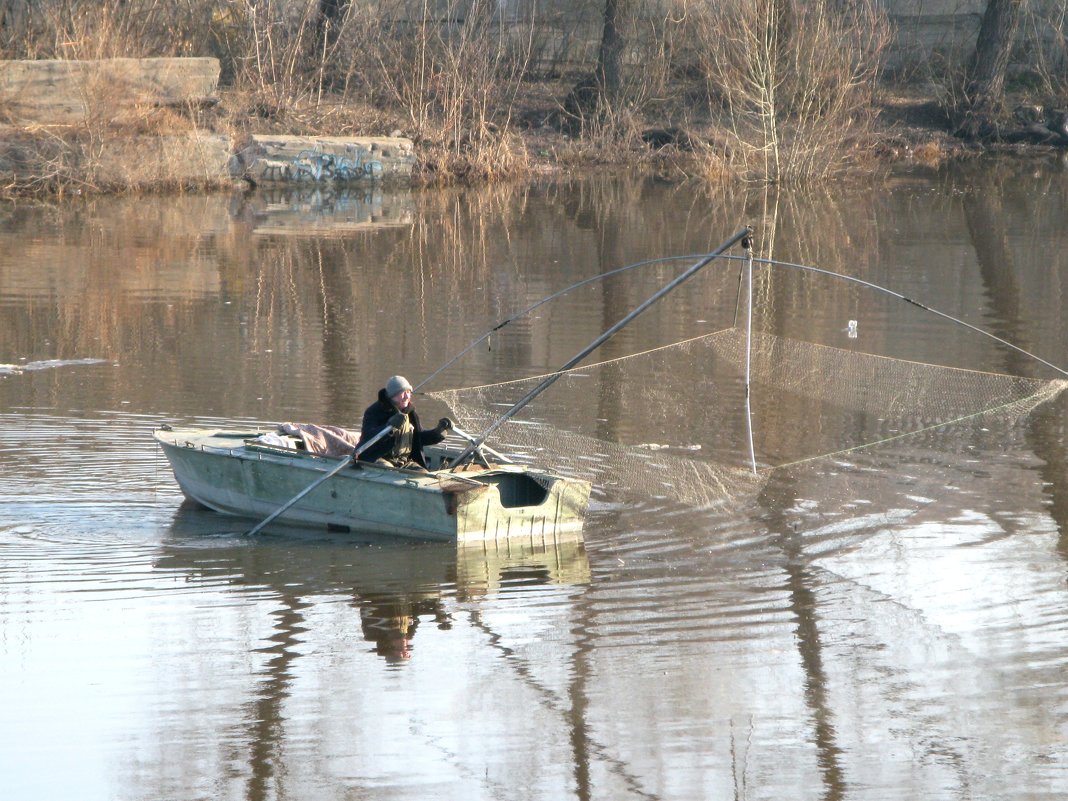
column 334, row 471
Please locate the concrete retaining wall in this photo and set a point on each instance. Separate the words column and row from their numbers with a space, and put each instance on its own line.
column 127, row 161
column 55, row 92
column 191, row 159
column 325, row 160
column 108, row 97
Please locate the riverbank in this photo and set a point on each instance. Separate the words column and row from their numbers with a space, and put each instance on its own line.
column 901, row 125
column 193, row 146
column 499, row 91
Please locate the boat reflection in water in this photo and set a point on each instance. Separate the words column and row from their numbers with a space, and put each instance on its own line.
column 284, row 590
column 397, row 585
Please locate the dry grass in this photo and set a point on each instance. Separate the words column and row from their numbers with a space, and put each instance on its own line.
column 763, row 90
column 792, row 84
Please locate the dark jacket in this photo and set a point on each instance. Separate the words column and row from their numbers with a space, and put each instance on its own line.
column 377, row 417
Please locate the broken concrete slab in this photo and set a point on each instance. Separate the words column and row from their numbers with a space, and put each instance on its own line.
column 278, row 159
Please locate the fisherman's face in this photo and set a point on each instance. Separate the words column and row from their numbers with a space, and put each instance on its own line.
column 403, row 399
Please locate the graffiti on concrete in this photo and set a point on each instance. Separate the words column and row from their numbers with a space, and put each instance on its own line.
column 315, row 166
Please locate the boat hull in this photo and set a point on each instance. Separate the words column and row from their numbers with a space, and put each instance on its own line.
column 227, row 472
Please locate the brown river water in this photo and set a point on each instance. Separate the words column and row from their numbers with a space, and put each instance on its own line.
column 887, row 624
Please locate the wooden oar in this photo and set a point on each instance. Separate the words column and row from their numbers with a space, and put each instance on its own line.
column 334, row 471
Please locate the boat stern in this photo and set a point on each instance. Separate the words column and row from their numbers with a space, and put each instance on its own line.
column 522, row 504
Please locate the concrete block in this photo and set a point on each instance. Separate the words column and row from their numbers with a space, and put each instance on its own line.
column 188, row 159
column 126, row 162
column 313, row 160
column 55, row 91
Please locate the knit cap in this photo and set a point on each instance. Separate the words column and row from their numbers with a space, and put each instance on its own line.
column 395, row 384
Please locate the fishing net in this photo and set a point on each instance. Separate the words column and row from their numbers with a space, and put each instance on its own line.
column 609, row 439
column 680, row 421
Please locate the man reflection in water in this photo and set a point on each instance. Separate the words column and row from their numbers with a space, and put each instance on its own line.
column 389, row 621
column 403, row 447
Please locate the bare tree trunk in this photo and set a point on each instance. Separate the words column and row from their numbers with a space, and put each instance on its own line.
column 610, row 58
column 12, row 25
column 329, row 20
column 592, row 96
column 984, row 87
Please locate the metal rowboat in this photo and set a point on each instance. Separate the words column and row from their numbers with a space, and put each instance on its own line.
column 230, row 472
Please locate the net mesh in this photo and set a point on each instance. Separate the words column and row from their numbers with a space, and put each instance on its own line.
column 680, row 422
column 809, row 402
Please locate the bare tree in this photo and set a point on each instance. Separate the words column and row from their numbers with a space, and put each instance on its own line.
column 982, row 106
column 13, row 19
column 329, row 20
column 609, row 73
column 594, row 94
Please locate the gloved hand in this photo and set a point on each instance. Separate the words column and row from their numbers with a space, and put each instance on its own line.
column 397, row 421
column 445, row 424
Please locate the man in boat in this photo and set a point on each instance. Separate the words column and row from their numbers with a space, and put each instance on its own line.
column 403, row 446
